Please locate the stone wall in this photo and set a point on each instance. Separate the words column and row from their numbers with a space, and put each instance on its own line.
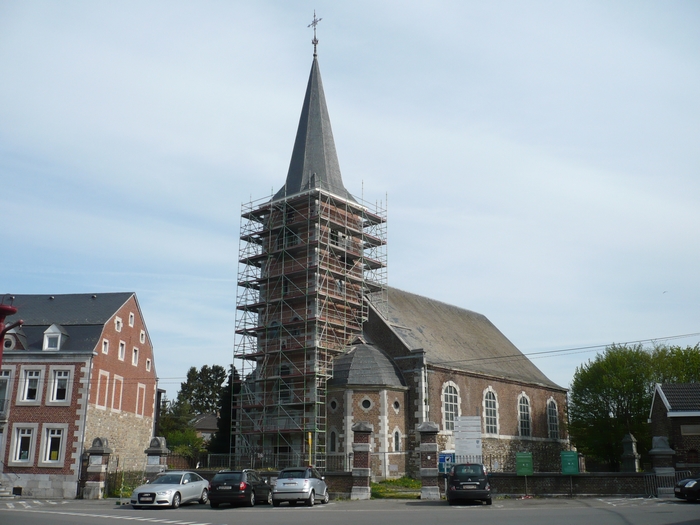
column 588, row 484
column 128, row 435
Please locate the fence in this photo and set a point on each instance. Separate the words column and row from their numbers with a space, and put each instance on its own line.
column 660, row 484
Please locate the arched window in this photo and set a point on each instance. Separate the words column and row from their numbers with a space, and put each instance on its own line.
column 490, row 412
column 333, row 439
column 450, row 405
column 397, row 441
column 552, row 419
column 524, row 415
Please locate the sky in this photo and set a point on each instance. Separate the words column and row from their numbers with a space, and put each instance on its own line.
column 539, row 160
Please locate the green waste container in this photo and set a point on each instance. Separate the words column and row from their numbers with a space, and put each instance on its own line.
column 523, row 464
column 569, row 462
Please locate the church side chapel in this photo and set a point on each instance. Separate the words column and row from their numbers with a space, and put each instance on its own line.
column 325, row 343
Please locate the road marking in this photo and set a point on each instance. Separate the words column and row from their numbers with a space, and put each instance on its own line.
column 108, row 516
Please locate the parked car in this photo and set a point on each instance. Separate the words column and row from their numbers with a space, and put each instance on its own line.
column 468, row 481
column 688, row 489
column 299, row 484
column 239, row 487
column 171, row 489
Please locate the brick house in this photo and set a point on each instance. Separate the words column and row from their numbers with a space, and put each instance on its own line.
column 675, row 414
column 80, row 367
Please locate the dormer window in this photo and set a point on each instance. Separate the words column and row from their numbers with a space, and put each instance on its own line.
column 54, row 337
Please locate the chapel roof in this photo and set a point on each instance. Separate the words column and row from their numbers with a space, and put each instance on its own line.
column 453, row 337
column 364, row 364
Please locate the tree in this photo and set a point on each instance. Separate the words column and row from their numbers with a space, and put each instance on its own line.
column 180, row 436
column 202, row 388
column 220, row 442
column 611, row 395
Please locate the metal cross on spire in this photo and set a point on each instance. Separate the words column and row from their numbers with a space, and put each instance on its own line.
column 314, row 23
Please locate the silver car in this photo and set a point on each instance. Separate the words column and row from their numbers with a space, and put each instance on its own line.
column 299, row 484
column 171, row 489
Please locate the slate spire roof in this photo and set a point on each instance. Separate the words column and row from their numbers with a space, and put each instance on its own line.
column 314, row 161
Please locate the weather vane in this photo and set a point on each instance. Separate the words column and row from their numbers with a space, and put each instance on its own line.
column 314, row 23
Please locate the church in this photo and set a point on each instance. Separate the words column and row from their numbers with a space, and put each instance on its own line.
column 323, row 342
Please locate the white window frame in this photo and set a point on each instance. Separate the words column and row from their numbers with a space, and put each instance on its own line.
column 102, row 385
column 53, row 385
column 131, row 319
column 52, row 333
column 448, row 425
column 140, row 400
column 148, row 365
column 485, row 410
column 48, row 432
column 552, row 422
column 118, row 324
column 142, row 336
column 105, row 346
column 525, row 397
column 117, row 392
column 24, row 385
column 6, row 376
column 122, row 351
column 20, row 430
column 135, row 356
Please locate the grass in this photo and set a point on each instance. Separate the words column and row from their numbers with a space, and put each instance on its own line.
column 401, row 488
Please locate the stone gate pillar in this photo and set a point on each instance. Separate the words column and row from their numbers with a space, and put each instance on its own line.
column 361, row 466
column 429, row 460
column 98, row 461
column 630, row 458
column 156, row 457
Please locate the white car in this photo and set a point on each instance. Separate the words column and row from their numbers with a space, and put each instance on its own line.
column 171, row 489
column 299, row 484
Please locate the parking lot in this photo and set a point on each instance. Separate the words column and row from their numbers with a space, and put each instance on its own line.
column 536, row 511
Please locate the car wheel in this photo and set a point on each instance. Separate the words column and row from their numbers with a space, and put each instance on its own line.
column 205, row 497
column 326, row 497
column 310, row 502
column 292, row 503
column 213, row 504
column 488, row 501
column 269, row 498
column 137, row 507
column 251, row 499
column 176, row 501
column 276, row 503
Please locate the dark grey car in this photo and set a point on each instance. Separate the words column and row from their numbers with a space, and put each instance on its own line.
column 468, row 481
column 299, row 484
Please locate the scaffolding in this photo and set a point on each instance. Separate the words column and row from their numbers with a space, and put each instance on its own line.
column 308, row 266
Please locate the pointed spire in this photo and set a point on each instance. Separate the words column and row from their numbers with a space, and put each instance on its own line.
column 314, row 161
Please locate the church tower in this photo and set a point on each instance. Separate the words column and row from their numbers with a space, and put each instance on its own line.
column 311, row 257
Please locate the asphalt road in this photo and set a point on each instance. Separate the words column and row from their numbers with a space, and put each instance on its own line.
column 555, row 511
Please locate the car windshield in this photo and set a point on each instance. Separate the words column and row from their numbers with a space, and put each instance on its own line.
column 228, row 476
column 291, row 474
column 168, row 479
column 468, row 470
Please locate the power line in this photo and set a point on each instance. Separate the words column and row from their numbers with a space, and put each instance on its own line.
column 575, row 350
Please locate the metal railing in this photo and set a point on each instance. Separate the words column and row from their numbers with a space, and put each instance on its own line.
column 656, row 483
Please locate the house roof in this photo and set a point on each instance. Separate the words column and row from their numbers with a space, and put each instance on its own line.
column 457, row 338
column 314, row 163
column 680, row 399
column 79, row 316
column 67, row 309
column 205, row 422
column 365, row 365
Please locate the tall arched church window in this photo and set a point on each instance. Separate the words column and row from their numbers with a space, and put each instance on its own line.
column 552, row 419
column 490, row 412
column 450, row 405
column 524, row 416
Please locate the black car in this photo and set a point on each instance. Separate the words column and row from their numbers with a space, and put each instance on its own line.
column 238, row 487
column 468, row 481
column 688, row 489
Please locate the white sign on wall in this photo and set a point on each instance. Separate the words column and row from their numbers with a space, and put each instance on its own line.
column 467, row 436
